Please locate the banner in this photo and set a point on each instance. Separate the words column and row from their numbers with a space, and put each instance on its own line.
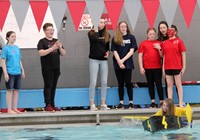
column 187, row 7
column 132, row 10
column 151, row 9
column 95, row 9
column 169, row 9
column 108, row 21
column 29, row 36
column 4, row 7
column 198, row 1
column 39, row 9
column 76, row 9
column 114, row 10
column 20, row 9
column 26, row 17
column 58, row 13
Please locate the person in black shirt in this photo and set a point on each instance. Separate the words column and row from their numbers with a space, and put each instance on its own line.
column 99, row 52
column 162, row 31
column 123, row 46
column 50, row 50
column 162, row 36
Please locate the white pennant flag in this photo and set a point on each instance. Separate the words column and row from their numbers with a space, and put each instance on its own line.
column 95, row 8
column 169, row 9
column 133, row 9
column 20, row 9
column 58, row 10
column 198, row 1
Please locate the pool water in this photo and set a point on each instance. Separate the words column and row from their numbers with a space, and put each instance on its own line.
column 102, row 132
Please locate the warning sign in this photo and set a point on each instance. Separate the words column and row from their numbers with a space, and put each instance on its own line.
column 86, row 22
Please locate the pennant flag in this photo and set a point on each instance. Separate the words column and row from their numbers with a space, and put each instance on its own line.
column 187, row 7
column 96, row 12
column 198, row 1
column 151, row 9
column 39, row 9
column 132, row 10
column 58, row 13
column 4, row 7
column 169, row 9
column 114, row 8
column 20, row 9
column 76, row 9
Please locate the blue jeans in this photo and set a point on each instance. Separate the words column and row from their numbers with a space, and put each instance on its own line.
column 14, row 82
column 94, row 67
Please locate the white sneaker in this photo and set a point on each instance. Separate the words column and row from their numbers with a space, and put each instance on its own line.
column 93, row 108
column 104, row 107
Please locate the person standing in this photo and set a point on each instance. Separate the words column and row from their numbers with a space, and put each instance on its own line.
column 1, row 70
column 98, row 61
column 123, row 46
column 13, row 71
column 150, row 65
column 162, row 31
column 50, row 50
column 162, row 36
column 174, row 63
column 1, row 46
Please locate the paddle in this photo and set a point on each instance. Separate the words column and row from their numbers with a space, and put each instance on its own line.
column 189, row 114
column 136, row 117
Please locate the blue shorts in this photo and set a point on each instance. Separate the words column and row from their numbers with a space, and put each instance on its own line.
column 14, row 82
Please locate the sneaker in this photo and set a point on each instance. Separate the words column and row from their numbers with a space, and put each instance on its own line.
column 120, row 106
column 138, row 106
column 153, row 105
column 130, row 105
column 39, row 109
column 93, row 108
column 57, row 109
column 49, row 108
column 104, row 107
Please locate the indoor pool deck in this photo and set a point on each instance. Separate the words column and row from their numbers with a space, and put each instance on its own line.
column 76, row 116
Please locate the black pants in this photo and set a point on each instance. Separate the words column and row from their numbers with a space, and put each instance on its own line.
column 50, row 78
column 154, row 76
column 124, row 77
column 1, row 72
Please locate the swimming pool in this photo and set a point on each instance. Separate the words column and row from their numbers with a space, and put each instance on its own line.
column 102, row 132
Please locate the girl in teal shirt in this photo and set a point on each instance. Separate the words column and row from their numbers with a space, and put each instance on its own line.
column 13, row 71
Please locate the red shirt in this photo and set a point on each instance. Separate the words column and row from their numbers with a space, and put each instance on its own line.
column 151, row 56
column 172, row 51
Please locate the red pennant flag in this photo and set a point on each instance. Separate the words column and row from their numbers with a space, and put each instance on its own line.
column 187, row 7
column 114, row 8
column 4, row 8
column 39, row 9
column 76, row 9
column 151, row 9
